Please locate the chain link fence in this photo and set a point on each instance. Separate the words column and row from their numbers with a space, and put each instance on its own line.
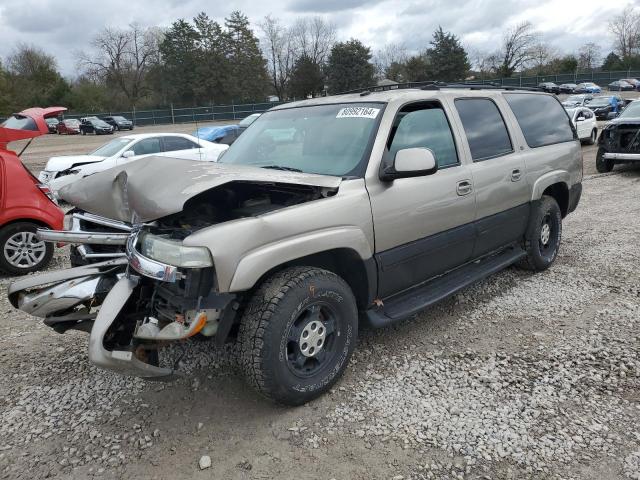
column 171, row 115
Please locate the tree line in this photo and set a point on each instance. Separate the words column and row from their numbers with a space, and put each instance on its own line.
column 201, row 61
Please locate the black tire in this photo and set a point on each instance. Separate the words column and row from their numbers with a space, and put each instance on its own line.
column 603, row 165
column 592, row 139
column 542, row 245
column 287, row 306
column 7, row 251
column 84, row 132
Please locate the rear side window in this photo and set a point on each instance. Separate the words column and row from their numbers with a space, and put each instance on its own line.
column 424, row 126
column 172, row 144
column 485, row 129
column 541, row 117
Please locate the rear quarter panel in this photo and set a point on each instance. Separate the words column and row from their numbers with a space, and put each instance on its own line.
column 549, row 164
column 21, row 199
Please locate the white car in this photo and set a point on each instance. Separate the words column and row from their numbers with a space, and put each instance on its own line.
column 61, row 171
column 579, row 100
column 584, row 121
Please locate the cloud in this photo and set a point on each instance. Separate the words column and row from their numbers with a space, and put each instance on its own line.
column 63, row 27
column 326, row 6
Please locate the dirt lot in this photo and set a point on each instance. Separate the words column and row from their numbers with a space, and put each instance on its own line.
column 520, row 376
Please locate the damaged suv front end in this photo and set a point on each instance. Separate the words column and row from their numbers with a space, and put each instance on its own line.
column 158, row 282
column 619, row 141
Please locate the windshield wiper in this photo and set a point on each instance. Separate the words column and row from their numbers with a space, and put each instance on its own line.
column 281, row 167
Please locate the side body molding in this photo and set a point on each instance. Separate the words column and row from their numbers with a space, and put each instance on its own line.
column 259, row 261
column 549, row 178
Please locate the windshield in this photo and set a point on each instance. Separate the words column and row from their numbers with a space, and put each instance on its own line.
column 119, row 119
column 111, row 148
column 632, row 110
column 98, row 123
column 599, row 102
column 574, row 99
column 323, row 139
column 72, row 123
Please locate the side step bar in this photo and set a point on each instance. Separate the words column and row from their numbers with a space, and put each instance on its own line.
column 410, row 302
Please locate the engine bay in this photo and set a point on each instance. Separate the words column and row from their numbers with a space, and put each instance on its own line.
column 236, row 200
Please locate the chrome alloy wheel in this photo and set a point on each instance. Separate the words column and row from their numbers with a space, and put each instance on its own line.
column 24, row 250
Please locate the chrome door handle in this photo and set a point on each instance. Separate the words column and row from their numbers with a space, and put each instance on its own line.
column 516, row 175
column 464, row 187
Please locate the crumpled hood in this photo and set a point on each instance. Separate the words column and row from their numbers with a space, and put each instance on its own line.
column 57, row 164
column 154, row 187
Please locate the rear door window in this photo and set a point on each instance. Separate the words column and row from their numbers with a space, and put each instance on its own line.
column 172, row 144
column 485, row 128
column 541, row 117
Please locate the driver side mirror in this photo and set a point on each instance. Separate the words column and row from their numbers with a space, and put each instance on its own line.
column 128, row 154
column 410, row 162
column 580, row 119
column 611, row 115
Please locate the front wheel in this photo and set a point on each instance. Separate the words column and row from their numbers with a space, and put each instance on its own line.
column 603, row 165
column 297, row 334
column 543, row 235
column 594, row 135
column 21, row 252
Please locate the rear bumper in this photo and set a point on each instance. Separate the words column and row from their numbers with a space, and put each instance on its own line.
column 623, row 157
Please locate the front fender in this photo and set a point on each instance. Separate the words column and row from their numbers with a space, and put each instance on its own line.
column 548, row 179
column 259, row 261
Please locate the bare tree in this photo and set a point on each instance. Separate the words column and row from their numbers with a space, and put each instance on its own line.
column 626, row 31
column 314, row 37
column 392, row 53
column 517, row 48
column 589, row 56
column 542, row 55
column 278, row 48
column 483, row 62
column 122, row 58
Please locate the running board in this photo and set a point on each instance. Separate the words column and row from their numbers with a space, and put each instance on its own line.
column 410, row 302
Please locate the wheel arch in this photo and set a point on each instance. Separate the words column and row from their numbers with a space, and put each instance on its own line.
column 358, row 271
column 559, row 192
column 554, row 184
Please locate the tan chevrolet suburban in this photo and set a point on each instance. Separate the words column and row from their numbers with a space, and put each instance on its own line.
column 368, row 207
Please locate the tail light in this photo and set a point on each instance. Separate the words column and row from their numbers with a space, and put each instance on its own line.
column 47, row 191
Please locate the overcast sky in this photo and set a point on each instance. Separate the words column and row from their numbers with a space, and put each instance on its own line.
column 62, row 26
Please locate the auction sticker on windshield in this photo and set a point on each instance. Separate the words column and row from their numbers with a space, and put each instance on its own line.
column 358, row 112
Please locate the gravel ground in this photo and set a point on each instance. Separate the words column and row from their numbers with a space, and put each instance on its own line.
column 519, row 376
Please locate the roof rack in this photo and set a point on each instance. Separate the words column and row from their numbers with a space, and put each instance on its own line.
column 434, row 85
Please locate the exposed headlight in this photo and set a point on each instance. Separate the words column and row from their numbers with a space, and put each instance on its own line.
column 173, row 252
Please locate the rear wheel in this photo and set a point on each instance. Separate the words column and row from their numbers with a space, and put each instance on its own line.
column 603, row 165
column 543, row 235
column 21, row 251
column 297, row 334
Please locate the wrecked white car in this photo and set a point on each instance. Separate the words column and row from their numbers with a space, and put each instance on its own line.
column 372, row 205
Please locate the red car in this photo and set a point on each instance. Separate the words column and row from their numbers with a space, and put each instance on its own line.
column 25, row 204
column 71, row 126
